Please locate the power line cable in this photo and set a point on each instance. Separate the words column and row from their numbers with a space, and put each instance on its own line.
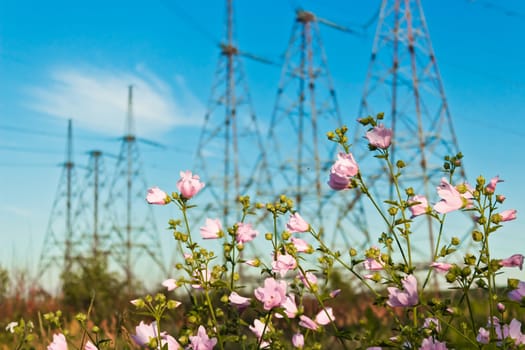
column 51, row 134
column 186, row 17
column 496, row 6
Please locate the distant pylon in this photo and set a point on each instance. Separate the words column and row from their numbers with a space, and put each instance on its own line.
column 135, row 234
column 60, row 242
column 404, row 82
column 94, row 223
column 306, row 108
column 230, row 153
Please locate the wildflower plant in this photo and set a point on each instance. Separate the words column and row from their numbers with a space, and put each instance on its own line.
column 293, row 305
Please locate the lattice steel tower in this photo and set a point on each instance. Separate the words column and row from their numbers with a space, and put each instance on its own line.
column 230, row 153
column 135, row 235
column 306, row 108
column 61, row 240
column 404, row 82
column 94, row 223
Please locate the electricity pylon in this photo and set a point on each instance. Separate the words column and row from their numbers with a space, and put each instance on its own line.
column 230, row 153
column 94, row 223
column 306, row 108
column 403, row 81
column 135, row 236
column 61, row 239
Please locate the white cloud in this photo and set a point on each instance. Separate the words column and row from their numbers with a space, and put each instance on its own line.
column 96, row 99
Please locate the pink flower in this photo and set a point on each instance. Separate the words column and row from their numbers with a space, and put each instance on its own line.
column 338, row 182
column 345, row 165
column 418, row 205
column 201, row 341
column 515, row 260
column 406, row 297
column 290, row 308
column 380, row 137
column 451, row 199
column 239, row 301
column 200, row 278
column 273, row 294
column 172, row 343
column 212, row 229
column 325, row 316
column 189, row 185
column 144, row 333
column 491, row 187
column 343, row 169
column 300, row 245
column 90, row 346
column 307, row 322
column 441, row 266
column 297, row 224
column 432, row 344
column 298, row 340
column 170, row 284
column 431, row 322
column 308, row 279
column 245, row 233
column 483, row 336
column 513, row 331
column 373, row 265
column 258, row 329
column 284, row 263
column 518, row 293
column 59, row 342
column 156, row 196
column 335, row 293
column 508, row 215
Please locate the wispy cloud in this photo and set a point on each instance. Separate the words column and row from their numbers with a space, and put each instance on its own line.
column 96, row 99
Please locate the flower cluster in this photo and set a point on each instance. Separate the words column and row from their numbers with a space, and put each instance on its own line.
column 290, row 303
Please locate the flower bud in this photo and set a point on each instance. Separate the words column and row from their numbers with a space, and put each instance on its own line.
column 80, row 317
column 352, row 252
column 501, row 307
column 469, row 259
column 455, row 241
column 392, row 211
column 500, row 198
column 172, row 304
column 268, row 236
column 400, row 164
column 450, row 276
column 466, row 271
column 513, row 283
column 477, row 236
column 286, row 235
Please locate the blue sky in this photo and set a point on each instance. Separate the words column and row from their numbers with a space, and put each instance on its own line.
column 61, row 60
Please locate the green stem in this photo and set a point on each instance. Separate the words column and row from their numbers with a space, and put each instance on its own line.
column 436, row 248
column 320, row 301
column 214, row 318
column 186, row 223
column 383, row 216
column 266, row 322
column 344, row 264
